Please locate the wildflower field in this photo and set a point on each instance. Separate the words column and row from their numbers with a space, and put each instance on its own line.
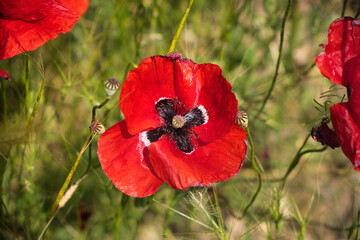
column 199, row 119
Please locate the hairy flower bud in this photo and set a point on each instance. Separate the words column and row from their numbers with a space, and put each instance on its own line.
column 97, row 128
column 325, row 135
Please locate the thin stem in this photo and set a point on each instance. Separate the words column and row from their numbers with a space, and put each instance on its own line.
column 219, row 215
column 93, row 117
column 358, row 12
column 343, row 8
column 3, row 93
column 47, row 225
column 279, row 58
column 184, row 215
column 69, row 177
column 181, row 25
column 252, row 158
column 278, row 216
column 98, row 107
column 37, row 101
column 27, row 88
column 297, row 157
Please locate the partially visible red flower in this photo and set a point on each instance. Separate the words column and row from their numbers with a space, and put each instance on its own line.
column 340, row 63
column 26, row 25
column 345, row 116
column 4, row 75
column 343, row 44
column 179, row 128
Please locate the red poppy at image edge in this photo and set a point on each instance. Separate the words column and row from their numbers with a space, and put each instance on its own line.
column 179, row 128
column 25, row 25
column 340, row 63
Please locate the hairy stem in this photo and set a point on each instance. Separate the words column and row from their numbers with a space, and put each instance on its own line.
column 252, row 157
column 92, row 120
column 287, row 11
column 297, row 157
column 343, row 8
column 69, row 177
column 181, row 25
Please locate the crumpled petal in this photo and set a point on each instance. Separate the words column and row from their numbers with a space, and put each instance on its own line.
column 217, row 161
column 144, row 86
column 351, row 77
column 188, row 81
column 219, row 101
column 124, row 159
column 26, row 25
column 343, row 44
column 347, row 131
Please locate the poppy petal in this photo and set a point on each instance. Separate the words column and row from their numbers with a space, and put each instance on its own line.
column 351, row 77
column 188, row 81
column 219, row 102
column 214, row 162
column 26, row 25
column 123, row 158
column 144, row 86
column 78, row 6
column 347, row 131
column 343, row 44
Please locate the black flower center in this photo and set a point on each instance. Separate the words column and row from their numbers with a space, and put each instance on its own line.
column 178, row 122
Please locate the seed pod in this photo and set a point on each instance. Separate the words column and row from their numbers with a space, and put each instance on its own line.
column 242, row 119
column 111, row 85
column 97, row 128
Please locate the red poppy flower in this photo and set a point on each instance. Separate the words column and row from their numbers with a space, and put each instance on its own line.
column 343, row 44
column 179, row 128
column 346, row 116
column 340, row 63
column 25, row 25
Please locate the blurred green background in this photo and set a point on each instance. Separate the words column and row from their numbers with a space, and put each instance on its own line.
column 321, row 198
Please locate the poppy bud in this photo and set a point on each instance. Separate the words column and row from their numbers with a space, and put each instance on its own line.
column 242, row 119
column 325, row 135
column 111, row 85
column 97, row 128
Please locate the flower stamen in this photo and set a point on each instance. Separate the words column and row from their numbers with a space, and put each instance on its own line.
column 178, row 121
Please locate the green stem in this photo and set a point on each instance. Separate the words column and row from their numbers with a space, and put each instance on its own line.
column 181, row 25
column 358, row 12
column 27, row 88
column 278, row 216
column 343, row 8
column 219, row 215
column 98, row 107
column 252, row 157
column 184, row 215
column 69, row 177
column 302, row 232
column 92, row 120
column 37, row 101
column 279, row 58
column 3, row 93
column 297, row 157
